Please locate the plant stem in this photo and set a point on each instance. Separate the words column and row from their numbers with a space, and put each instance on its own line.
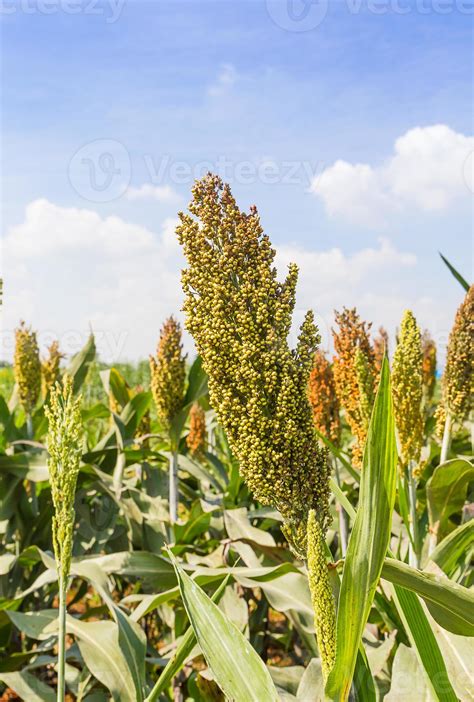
column 173, row 491
column 31, row 484
column 62, row 639
column 343, row 526
column 414, row 556
column 446, row 438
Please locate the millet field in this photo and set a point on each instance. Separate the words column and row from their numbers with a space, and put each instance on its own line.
column 252, row 522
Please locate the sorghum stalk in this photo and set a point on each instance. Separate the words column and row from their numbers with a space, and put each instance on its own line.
column 27, row 371
column 64, row 446
column 240, row 317
column 407, row 388
column 458, row 378
column 168, row 373
column 354, row 375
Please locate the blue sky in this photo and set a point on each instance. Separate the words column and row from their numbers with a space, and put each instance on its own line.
column 354, row 139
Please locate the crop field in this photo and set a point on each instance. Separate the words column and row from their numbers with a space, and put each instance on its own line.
column 248, row 522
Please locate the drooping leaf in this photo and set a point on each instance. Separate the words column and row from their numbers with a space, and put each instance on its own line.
column 223, row 645
column 28, row 687
column 455, row 273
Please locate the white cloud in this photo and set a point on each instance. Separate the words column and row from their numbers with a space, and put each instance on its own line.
column 226, row 78
column 68, row 268
column 426, row 172
column 160, row 193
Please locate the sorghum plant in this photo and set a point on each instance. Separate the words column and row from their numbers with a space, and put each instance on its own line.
column 65, row 449
column 407, row 390
column 429, row 367
column 50, row 368
column 354, row 375
column 458, row 377
column 323, row 398
column 380, row 348
column 240, row 318
column 27, row 369
column 407, row 384
column 168, row 374
column 197, row 436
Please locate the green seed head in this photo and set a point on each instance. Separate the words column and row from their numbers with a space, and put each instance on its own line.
column 65, row 449
column 27, row 367
column 321, row 595
column 458, row 379
column 240, row 317
column 50, row 367
column 407, row 385
column 168, row 373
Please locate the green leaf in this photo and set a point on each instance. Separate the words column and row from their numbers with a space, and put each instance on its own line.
column 446, row 492
column 99, row 646
column 114, row 384
column 236, row 667
column 407, row 678
column 452, row 605
column 449, row 603
column 454, row 547
column 182, row 652
column 369, row 539
column 81, row 362
column 424, row 643
column 28, row 687
column 455, row 273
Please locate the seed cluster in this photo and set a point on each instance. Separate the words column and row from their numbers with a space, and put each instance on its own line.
column 321, row 595
column 323, row 398
column 65, row 450
column 380, row 348
column 197, row 436
column 407, row 389
column 27, row 367
column 354, row 375
column 168, row 373
column 240, row 318
column 50, row 367
column 458, row 378
column 428, row 347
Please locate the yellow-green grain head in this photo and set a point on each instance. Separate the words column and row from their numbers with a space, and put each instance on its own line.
column 168, row 373
column 407, row 388
column 27, row 367
column 64, row 443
